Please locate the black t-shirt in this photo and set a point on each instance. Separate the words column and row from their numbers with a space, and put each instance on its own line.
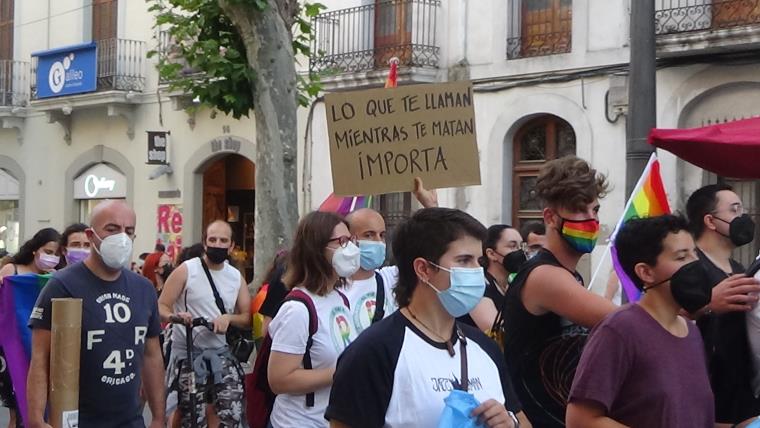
column 542, row 351
column 393, row 374
column 728, row 355
column 117, row 317
column 275, row 293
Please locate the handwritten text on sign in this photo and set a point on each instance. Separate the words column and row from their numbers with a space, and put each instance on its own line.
column 381, row 139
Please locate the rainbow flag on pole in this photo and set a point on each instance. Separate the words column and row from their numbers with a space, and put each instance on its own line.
column 18, row 295
column 648, row 199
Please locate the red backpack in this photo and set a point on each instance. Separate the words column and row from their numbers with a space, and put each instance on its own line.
column 258, row 394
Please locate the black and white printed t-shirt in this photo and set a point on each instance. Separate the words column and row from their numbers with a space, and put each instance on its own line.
column 393, row 375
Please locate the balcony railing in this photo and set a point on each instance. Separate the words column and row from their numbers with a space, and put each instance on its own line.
column 365, row 38
column 539, row 45
column 121, row 65
column 14, row 83
column 168, row 50
column 681, row 16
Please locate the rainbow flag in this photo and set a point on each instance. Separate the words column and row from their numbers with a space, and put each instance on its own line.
column 18, row 295
column 345, row 204
column 648, row 199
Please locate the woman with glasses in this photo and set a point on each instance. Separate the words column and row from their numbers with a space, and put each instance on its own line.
column 301, row 364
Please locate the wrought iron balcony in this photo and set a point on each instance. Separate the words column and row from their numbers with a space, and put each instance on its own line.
column 365, row 38
column 539, row 45
column 121, row 65
column 682, row 16
column 14, row 83
column 167, row 49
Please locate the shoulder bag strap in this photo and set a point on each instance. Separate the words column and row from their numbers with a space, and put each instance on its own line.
column 217, row 297
column 464, row 382
column 379, row 298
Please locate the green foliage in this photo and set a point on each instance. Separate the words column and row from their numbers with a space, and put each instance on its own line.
column 201, row 53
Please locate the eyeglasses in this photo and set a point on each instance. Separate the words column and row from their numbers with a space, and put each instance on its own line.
column 343, row 240
column 737, row 209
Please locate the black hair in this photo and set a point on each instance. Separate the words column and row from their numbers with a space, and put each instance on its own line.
column 70, row 230
column 640, row 241
column 25, row 254
column 159, row 248
column 537, row 227
column 64, row 241
column 493, row 234
column 427, row 234
column 702, row 202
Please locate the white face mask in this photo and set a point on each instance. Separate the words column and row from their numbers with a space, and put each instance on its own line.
column 346, row 260
column 115, row 250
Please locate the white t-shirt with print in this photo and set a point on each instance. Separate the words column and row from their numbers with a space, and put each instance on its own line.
column 290, row 331
column 362, row 295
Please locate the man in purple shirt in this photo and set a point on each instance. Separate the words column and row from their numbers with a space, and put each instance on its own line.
column 644, row 365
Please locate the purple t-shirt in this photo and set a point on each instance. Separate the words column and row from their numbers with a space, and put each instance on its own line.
column 642, row 375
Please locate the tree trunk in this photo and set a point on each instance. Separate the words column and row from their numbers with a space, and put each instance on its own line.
column 269, row 49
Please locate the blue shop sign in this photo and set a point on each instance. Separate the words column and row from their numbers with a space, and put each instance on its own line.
column 67, row 70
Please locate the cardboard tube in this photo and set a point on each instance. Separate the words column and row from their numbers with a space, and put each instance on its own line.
column 65, row 345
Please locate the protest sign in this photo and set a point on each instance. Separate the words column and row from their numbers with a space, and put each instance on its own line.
column 380, row 139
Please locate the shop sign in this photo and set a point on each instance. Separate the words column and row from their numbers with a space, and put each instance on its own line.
column 100, row 182
column 157, row 147
column 68, row 70
column 169, row 226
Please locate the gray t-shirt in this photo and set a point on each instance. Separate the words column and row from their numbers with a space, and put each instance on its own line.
column 117, row 318
column 642, row 375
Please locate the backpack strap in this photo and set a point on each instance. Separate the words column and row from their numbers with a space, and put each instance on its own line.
column 379, row 298
column 304, row 298
column 345, row 299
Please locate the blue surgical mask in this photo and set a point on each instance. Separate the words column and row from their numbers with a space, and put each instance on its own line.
column 373, row 254
column 464, row 293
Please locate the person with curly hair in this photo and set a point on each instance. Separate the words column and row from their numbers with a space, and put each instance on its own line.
column 548, row 311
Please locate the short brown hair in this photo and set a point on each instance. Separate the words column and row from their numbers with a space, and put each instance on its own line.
column 307, row 265
column 570, row 182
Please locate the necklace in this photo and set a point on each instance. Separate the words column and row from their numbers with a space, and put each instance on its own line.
column 449, row 346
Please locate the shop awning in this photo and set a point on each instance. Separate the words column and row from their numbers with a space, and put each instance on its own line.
column 729, row 149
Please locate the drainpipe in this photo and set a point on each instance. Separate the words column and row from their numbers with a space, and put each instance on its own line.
column 642, row 105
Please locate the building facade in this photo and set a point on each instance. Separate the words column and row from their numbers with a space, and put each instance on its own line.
column 550, row 79
column 78, row 96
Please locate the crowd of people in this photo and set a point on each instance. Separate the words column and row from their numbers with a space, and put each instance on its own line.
column 462, row 325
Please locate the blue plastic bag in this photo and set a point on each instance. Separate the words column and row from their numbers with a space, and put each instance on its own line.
column 458, row 410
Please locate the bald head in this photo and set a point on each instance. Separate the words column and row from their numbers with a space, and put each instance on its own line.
column 218, row 234
column 113, row 216
column 366, row 224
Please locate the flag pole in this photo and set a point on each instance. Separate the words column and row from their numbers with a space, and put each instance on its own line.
column 628, row 204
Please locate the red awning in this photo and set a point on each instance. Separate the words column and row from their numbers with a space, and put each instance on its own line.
column 728, row 149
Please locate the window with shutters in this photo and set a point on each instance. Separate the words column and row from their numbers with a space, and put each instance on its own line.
column 539, row 27
column 6, row 29
column 104, row 14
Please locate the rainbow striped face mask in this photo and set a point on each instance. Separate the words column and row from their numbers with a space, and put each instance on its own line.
column 581, row 235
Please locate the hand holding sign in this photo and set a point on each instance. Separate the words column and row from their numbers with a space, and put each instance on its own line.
column 381, row 139
column 428, row 198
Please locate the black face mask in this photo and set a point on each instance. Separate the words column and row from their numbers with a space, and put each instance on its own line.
column 513, row 261
column 216, row 254
column 168, row 269
column 741, row 230
column 689, row 286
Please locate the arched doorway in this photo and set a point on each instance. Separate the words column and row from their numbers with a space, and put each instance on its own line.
column 10, row 215
column 538, row 141
column 229, row 193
